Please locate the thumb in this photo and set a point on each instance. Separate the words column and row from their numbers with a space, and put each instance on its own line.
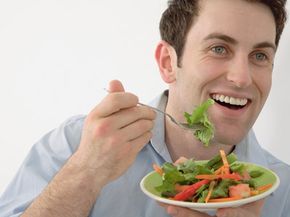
column 115, row 86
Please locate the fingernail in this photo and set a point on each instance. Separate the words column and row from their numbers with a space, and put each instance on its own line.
column 172, row 211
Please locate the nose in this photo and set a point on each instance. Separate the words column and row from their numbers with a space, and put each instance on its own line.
column 239, row 72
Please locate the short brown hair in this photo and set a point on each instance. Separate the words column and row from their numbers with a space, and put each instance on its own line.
column 177, row 19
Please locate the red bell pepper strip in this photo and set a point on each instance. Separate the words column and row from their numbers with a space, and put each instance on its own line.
column 190, row 191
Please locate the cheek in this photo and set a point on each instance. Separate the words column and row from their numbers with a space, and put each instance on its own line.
column 208, row 70
column 264, row 83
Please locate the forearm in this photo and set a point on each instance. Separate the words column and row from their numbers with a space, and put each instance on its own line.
column 71, row 193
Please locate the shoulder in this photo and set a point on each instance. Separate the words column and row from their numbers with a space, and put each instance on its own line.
column 282, row 194
column 73, row 125
column 74, row 121
column 282, row 170
column 64, row 139
column 273, row 161
column 70, row 130
column 277, row 165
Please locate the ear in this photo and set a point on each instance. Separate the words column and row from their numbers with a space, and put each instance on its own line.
column 166, row 59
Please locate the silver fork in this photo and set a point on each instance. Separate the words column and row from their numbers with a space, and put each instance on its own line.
column 184, row 126
column 180, row 124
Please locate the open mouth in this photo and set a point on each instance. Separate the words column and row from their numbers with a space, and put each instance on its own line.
column 230, row 102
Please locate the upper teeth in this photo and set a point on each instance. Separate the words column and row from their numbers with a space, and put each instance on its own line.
column 230, row 100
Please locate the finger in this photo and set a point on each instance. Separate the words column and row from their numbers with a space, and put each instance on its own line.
column 136, row 129
column 115, row 86
column 126, row 117
column 184, row 212
column 251, row 209
column 113, row 103
column 121, row 120
column 127, row 134
column 138, row 143
column 228, row 212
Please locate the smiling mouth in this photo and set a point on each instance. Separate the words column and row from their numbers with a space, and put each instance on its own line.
column 230, row 102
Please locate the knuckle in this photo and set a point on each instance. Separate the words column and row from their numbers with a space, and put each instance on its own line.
column 90, row 118
column 102, row 128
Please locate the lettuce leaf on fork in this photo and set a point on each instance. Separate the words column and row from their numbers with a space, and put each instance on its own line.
column 199, row 117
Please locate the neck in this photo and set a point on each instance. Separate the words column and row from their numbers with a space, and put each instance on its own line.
column 182, row 143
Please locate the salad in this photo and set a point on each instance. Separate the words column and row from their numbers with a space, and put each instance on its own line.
column 199, row 117
column 220, row 179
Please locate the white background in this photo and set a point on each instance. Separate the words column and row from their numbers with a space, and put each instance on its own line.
column 56, row 57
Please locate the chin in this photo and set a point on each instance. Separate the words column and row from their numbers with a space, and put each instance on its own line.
column 231, row 134
column 228, row 139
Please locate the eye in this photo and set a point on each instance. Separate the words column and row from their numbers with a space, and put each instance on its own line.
column 220, row 50
column 260, row 57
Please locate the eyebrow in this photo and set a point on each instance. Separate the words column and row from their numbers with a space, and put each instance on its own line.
column 221, row 37
column 266, row 45
column 231, row 40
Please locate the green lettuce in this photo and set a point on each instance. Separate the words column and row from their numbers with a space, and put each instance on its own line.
column 199, row 117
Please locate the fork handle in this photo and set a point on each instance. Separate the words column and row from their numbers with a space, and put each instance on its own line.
column 156, row 109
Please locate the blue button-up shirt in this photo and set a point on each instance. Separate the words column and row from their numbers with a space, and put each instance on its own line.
column 123, row 197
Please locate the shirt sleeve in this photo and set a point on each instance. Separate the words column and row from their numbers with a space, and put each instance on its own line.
column 43, row 161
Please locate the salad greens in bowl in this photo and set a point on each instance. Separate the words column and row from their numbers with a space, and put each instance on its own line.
column 220, row 182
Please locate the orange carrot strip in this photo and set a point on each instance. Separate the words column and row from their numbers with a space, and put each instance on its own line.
column 219, row 170
column 158, row 169
column 226, row 169
column 264, row 187
column 234, row 176
column 210, row 189
column 225, row 199
column 254, row 192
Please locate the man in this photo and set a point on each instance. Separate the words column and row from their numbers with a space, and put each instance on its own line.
column 92, row 166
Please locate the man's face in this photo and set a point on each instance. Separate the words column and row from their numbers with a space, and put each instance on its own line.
column 228, row 56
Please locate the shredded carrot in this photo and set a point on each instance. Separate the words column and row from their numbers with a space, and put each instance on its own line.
column 210, row 189
column 254, row 192
column 234, row 176
column 158, row 169
column 226, row 169
column 225, row 199
column 264, row 187
column 219, row 170
column 260, row 189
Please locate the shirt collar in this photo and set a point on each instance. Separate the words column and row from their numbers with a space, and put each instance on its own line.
column 249, row 150
column 158, row 138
